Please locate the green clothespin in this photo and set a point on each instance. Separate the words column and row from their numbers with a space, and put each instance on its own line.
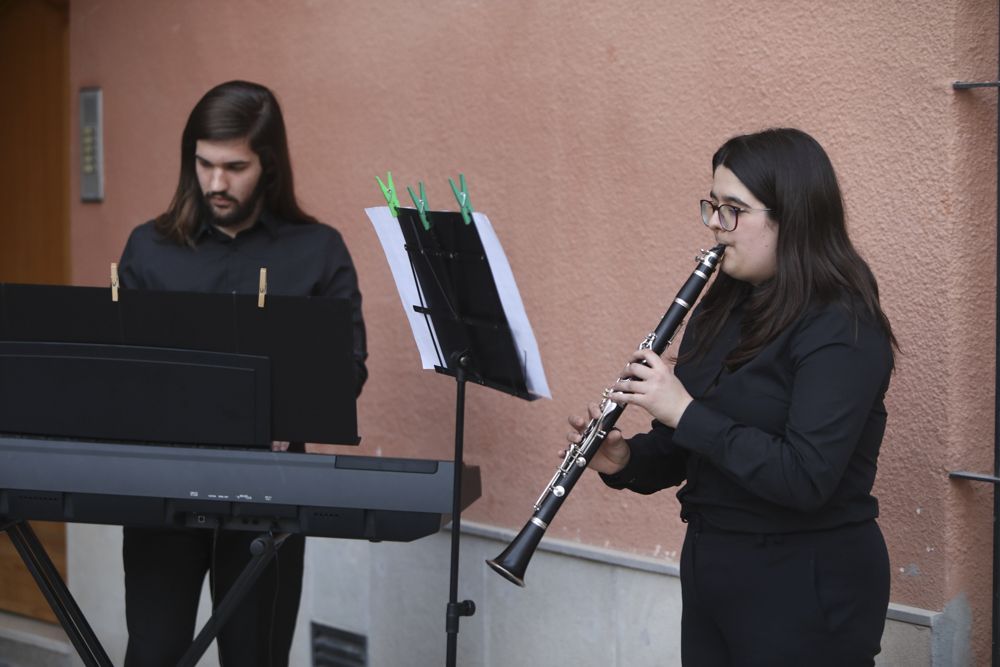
column 389, row 192
column 463, row 198
column 420, row 204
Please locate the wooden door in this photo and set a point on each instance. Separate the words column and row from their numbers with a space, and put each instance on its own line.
column 34, row 205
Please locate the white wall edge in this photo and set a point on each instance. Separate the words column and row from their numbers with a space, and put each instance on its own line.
column 897, row 612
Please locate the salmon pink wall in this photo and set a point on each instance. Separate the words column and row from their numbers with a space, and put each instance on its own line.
column 585, row 130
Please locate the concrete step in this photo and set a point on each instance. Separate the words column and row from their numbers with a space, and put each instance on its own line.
column 25, row 642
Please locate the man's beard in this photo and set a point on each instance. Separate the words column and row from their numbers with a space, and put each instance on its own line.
column 235, row 216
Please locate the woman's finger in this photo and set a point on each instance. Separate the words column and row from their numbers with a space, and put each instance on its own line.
column 651, row 359
column 640, row 370
column 620, row 397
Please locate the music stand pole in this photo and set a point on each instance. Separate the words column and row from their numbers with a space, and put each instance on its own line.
column 457, row 609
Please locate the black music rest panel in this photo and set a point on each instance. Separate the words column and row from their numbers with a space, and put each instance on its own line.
column 351, row 497
column 460, row 297
column 104, row 392
column 306, row 340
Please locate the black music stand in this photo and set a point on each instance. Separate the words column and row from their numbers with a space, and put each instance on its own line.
column 75, row 362
column 461, row 307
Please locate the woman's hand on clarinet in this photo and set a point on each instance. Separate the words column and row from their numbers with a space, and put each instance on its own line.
column 653, row 387
column 613, row 454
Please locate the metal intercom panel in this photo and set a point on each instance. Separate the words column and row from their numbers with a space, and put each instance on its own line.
column 91, row 145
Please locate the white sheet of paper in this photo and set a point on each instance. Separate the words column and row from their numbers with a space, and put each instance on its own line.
column 389, row 234
column 394, row 246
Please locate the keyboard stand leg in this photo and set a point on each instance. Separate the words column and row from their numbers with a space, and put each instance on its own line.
column 52, row 586
column 262, row 550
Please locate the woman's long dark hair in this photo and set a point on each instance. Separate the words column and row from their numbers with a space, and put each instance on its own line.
column 790, row 173
column 233, row 110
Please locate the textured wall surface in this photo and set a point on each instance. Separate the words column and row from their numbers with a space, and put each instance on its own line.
column 585, row 130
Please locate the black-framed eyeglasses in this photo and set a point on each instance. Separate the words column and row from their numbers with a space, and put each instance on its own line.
column 729, row 215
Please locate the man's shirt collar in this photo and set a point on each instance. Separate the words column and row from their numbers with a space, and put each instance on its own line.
column 266, row 220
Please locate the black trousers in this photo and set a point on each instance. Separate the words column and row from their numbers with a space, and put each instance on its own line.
column 812, row 598
column 164, row 571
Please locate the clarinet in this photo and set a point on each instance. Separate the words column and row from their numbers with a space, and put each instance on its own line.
column 512, row 563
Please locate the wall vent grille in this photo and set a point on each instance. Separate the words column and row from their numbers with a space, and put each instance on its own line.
column 332, row 647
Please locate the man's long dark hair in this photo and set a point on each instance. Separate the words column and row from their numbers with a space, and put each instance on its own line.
column 233, row 110
column 790, row 173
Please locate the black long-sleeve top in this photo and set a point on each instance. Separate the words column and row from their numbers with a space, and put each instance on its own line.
column 786, row 442
column 306, row 259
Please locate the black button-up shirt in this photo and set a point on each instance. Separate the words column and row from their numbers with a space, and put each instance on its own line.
column 786, row 442
column 304, row 259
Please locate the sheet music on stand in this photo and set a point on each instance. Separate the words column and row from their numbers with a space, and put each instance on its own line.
column 458, row 292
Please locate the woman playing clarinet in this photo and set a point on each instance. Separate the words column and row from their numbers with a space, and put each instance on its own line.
column 772, row 419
